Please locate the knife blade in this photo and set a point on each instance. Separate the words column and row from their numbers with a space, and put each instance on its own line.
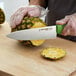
column 48, row 32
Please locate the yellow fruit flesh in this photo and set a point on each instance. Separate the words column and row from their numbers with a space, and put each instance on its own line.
column 37, row 42
column 38, row 24
column 29, row 23
column 53, row 53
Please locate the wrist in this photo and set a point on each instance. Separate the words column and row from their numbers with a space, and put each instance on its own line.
column 42, row 9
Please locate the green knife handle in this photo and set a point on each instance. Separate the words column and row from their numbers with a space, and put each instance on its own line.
column 59, row 28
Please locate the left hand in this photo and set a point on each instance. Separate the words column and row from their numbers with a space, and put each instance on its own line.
column 17, row 17
column 70, row 28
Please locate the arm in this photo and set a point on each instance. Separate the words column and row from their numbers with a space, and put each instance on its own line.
column 38, row 2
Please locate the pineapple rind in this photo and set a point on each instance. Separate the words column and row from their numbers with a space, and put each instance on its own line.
column 2, row 16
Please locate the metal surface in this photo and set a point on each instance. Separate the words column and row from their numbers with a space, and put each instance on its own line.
column 34, row 34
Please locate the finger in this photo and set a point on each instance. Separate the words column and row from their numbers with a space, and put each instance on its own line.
column 13, row 18
column 73, row 26
column 34, row 12
column 12, row 23
column 69, row 28
column 20, row 16
column 17, row 17
column 66, row 30
column 63, row 21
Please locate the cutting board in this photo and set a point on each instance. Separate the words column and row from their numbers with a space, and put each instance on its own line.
column 19, row 60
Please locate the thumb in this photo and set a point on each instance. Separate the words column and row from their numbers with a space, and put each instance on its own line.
column 63, row 21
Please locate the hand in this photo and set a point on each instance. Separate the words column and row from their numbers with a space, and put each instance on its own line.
column 21, row 12
column 70, row 28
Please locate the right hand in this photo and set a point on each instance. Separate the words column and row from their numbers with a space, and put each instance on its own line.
column 70, row 28
column 21, row 12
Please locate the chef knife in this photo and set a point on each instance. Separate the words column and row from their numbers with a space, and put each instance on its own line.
column 48, row 32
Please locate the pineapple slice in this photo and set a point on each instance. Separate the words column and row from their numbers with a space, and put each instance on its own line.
column 53, row 53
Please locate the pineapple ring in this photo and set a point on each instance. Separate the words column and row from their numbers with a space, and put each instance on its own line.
column 2, row 16
column 53, row 53
column 37, row 42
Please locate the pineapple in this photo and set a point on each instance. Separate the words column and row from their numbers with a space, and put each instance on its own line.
column 53, row 53
column 29, row 23
column 2, row 16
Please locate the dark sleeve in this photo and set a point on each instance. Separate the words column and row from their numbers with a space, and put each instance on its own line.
column 46, row 3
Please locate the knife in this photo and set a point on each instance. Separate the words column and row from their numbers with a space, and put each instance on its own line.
column 48, row 32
